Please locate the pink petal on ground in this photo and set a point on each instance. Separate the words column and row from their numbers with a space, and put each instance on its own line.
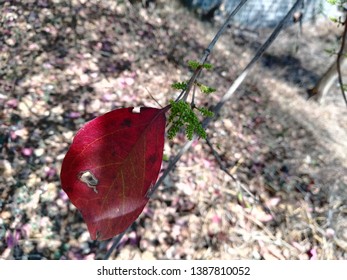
column 216, row 219
column 13, row 135
column 10, row 240
column 330, row 233
column 108, row 97
column 50, row 172
column 12, row 103
column 273, row 201
column 74, row 115
column 129, row 81
column 27, row 152
column 313, row 253
column 90, row 257
column 63, row 196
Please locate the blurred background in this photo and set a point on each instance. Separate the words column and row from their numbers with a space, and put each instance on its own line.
column 65, row 62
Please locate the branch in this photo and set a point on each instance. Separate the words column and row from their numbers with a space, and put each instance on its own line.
column 258, row 54
column 209, row 49
column 219, row 33
column 340, row 55
column 115, row 243
column 240, row 186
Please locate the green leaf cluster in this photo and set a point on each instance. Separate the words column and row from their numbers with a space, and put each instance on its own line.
column 205, row 112
column 334, row 19
column 193, row 64
column 339, row 4
column 205, row 89
column 331, row 51
column 336, row 2
column 183, row 115
column 179, row 85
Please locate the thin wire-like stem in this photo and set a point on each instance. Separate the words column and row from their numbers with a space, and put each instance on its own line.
column 115, row 243
column 192, row 103
column 174, row 161
column 340, row 55
column 225, row 169
column 256, row 57
column 219, row 160
column 208, row 50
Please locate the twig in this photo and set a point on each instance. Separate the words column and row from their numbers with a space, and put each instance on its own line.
column 221, row 30
column 115, row 243
column 155, row 100
column 340, row 55
column 240, row 186
column 209, row 49
column 258, row 54
column 219, row 160
column 225, row 169
column 173, row 162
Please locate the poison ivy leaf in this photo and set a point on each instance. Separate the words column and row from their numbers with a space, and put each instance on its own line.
column 112, row 164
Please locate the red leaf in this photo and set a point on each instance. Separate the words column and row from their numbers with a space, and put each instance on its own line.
column 110, row 167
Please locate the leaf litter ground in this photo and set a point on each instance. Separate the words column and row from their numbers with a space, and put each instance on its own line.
column 64, row 63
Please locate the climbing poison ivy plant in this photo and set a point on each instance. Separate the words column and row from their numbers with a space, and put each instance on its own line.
column 114, row 161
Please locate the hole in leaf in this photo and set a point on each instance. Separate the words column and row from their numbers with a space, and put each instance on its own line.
column 89, row 179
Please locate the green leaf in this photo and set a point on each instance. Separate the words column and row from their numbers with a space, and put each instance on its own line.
column 333, row 19
column 207, row 66
column 330, row 51
column 165, row 157
column 183, row 116
column 179, row 85
column 205, row 89
column 193, row 64
column 205, row 112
